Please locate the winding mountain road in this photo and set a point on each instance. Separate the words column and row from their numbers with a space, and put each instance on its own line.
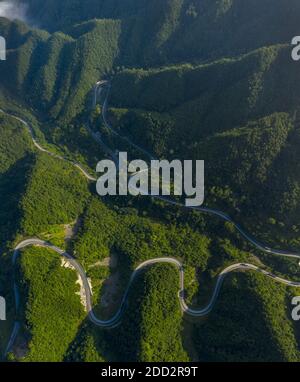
column 220, row 214
column 42, row 149
column 169, row 260
column 115, row 320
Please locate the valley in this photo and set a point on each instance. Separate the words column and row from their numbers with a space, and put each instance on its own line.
column 165, row 79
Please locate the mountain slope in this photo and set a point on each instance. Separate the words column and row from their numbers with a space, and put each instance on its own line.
column 205, row 79
column 173, row 30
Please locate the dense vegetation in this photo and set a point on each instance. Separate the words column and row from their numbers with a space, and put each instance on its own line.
column 136, row 238
column 249, row 144
column 55, row 187
column 210, row 79
column 53, row 311
column 151, row 330
column 87, row 347
column 51, row 74
column 15, row 161
column 179, row 30
column 249, row 323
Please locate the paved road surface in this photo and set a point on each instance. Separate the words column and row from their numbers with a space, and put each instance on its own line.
column 117, row 317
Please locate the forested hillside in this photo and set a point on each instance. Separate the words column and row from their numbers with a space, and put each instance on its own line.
column 189, row 79
column 57, row 71
column 179, row 29
column 240, row 115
